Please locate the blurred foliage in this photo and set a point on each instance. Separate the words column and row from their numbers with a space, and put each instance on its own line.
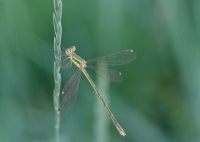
column 158, row 100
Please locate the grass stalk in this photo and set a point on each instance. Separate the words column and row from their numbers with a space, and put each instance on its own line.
column 57, row 16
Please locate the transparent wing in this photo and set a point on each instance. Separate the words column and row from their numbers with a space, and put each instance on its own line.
column 69, row 94
column 115, row 59
column 111, row 75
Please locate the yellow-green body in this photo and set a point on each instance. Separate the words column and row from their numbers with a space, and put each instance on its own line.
column 81, row 64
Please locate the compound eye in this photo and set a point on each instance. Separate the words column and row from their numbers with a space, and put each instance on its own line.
column 73, row 48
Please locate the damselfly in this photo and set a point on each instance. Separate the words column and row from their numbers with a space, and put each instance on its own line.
column 70, row 90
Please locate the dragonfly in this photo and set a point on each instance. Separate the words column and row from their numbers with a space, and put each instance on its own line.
column 98, row 65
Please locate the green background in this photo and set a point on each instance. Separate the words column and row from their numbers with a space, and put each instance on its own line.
column 159, row 98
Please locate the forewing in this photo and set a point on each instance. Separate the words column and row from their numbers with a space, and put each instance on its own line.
column 69, row 94
column 115, row 59
column 111, row 75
